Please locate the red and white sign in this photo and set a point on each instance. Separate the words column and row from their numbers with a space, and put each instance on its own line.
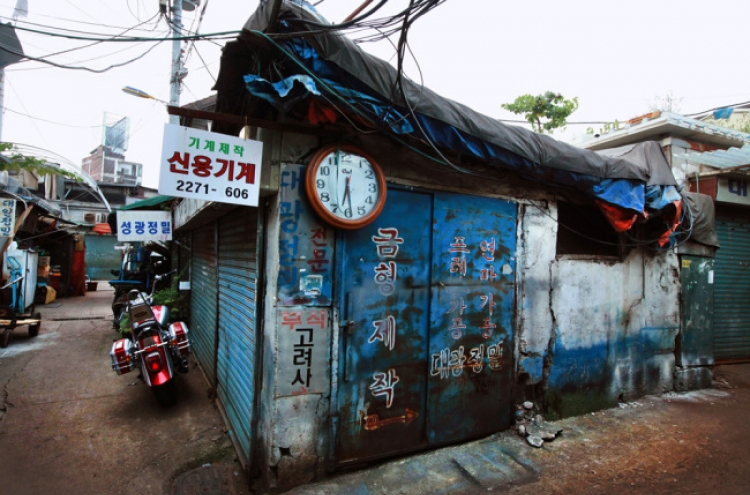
column 209, row 166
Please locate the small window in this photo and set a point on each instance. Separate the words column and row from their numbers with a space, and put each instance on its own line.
column 583, row 230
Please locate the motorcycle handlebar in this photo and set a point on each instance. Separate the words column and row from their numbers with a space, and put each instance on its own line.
column 164, row 275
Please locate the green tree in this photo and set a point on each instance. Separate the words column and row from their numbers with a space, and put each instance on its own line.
column 544, row 112
column 17, row 162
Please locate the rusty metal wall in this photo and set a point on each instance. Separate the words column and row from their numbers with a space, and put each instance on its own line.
column 426, row 298
column 471, row 324
column 696, row 338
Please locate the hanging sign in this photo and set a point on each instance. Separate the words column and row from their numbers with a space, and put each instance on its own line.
column 209, row 166
column 7, row 217
column 144, row 225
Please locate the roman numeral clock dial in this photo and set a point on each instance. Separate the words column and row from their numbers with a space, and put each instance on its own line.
column 345, row 186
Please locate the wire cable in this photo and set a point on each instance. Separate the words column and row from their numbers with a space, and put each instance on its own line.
column 51, row 121
column 88, row 69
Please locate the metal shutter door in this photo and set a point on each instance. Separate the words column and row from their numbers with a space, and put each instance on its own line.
column 732, row 290
column 237, row 276
column 203, row 299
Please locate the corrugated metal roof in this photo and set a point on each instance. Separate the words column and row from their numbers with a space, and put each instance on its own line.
column 668, row 123
column 732, row 157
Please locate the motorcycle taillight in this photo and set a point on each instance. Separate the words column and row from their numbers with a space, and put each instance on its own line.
column 154, row 362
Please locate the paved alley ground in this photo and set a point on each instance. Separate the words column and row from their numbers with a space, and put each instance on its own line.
column 69, row 424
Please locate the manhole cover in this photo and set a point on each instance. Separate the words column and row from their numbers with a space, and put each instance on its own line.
column 210, row 480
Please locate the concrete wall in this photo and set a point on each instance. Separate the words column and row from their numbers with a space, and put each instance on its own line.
column 293, row 430
column 593, row 331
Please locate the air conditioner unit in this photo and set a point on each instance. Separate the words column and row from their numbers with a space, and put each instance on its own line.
column 95, row 218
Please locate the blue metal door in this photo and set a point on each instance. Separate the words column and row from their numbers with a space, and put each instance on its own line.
column 471, row 323
column 384, row 294
column 426, row 298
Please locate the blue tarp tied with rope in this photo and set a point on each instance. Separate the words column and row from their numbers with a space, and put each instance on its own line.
column 637, row 180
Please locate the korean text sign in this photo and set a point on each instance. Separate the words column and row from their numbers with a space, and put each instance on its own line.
column 303, row 361
column 144, row 225
column 7, row 217
column 209, row 166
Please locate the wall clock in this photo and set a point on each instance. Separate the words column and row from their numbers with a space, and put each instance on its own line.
column 345, row 186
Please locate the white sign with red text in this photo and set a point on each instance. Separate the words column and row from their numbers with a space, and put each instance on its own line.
column 214, row 167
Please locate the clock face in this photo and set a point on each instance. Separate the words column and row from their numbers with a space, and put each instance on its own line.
column 345, row 187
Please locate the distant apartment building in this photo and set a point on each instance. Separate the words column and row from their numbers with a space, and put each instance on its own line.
column 105, row 164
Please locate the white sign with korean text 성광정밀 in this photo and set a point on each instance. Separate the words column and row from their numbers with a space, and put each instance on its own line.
column 144, row 225
column 209, row 166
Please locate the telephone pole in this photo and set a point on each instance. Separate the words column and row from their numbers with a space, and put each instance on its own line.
column 178, row 72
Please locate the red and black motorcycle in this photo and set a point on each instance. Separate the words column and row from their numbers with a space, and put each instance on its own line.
column 153, row 345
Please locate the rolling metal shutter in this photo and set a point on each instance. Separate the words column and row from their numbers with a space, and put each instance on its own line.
column 237, row 277
column 203, row 290
column 732, row 290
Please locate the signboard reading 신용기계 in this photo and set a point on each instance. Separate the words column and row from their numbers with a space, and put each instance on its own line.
column 209, row 166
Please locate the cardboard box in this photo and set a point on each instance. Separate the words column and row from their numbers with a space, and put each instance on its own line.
column 51, row 295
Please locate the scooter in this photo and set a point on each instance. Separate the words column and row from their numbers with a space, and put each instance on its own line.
column 152, row 345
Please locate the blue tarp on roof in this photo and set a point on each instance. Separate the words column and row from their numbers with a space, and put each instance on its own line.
column 333, row 68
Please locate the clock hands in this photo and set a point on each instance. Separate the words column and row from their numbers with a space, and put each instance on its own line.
column 347, row 191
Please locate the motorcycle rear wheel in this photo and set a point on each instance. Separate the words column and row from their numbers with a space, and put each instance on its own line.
column 5, row 336
column 166, row 394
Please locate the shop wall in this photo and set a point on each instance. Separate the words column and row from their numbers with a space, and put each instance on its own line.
column 101, row 256
column 593, row 332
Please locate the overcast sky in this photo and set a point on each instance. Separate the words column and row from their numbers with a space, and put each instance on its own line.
column 616, row 57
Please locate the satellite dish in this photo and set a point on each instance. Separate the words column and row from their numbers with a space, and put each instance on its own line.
column 190, row 5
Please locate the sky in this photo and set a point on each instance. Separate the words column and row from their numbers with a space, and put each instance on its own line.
column 617, row 58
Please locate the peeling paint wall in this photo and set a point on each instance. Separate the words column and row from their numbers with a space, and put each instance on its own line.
column 589, row 331
column 593, row 331
column 293, row 430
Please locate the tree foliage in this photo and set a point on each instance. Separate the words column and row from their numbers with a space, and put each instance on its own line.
column 17, row 162
column 667, row 103
column 544, row 112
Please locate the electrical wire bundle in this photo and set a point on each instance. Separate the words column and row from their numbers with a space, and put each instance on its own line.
column 153, row 31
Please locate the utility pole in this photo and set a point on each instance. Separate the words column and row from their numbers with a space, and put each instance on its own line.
column 2, row 100
column 177, row 69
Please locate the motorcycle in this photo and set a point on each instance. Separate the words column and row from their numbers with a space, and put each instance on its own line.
column 152, row 345
column 138, row 269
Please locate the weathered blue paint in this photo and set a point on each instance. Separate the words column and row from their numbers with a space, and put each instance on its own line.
column 426, row 295
column 305, row 246
column 384, row 294
column 584, row 379
column 203, row 293
column 237, row 270
column 471, row 322
column 533, row 366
